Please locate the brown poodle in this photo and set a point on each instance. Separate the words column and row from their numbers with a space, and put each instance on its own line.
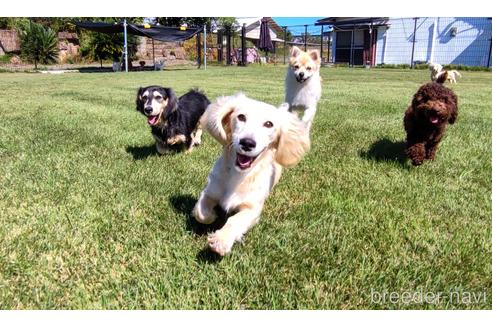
column 432, row 108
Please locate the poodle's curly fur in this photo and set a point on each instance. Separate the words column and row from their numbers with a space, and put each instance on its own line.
column 432, row 108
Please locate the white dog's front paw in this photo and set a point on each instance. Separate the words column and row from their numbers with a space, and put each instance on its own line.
column 221, row 242
column 204, row 215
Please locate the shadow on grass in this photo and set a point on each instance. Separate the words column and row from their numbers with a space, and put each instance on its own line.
column 385, row 150
column 142, row 152
column 94, row 69
column 208, row 256
column 184, row 204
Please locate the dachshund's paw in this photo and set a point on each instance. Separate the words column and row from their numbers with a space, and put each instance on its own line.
column 179, row 138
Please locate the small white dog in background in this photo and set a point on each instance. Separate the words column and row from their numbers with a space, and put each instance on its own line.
column 258, row 140
column 303, row 83
column 434, row 69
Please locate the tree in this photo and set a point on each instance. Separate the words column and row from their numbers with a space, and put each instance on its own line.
column 13, row 22
column 38, row 44
column 226, row 21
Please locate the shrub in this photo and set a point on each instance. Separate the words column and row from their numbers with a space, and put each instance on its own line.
column 5, row 59
column 38, row 44
column 459, row 67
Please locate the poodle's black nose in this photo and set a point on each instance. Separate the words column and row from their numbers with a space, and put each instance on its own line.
column 148, row 110
column 247, row 144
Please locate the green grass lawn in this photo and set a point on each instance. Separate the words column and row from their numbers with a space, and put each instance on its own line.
column 92, row 218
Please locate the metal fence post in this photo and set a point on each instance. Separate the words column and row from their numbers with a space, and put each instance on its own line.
column 305, row 37
column 285, row 42
column 413, row 41
column 220, row 45
column 228, row 47
column 126, row 45
column 328, row 46
column 244, row 57
column 490, row 51
column 321, row 45
column 352, row 48
column 205, row 46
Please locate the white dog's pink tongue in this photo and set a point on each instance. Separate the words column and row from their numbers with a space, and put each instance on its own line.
column 152, row 119
column 244, row 161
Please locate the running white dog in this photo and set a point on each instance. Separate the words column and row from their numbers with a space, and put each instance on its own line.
column 434, row 69
column 258, row 140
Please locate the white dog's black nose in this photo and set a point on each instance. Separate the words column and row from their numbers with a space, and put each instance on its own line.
column 148, row 110
column 247, row 144
column 301, row 74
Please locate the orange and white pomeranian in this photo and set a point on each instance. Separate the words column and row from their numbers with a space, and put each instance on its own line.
column 303, row 83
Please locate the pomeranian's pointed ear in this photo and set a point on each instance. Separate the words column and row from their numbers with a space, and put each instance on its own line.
column 217, row 118
column 315, row 55
column 294, row 141
column 295, row 51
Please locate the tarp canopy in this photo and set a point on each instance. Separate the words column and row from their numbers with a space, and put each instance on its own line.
column 161, row 33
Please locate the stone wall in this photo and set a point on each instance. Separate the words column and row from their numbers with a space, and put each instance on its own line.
column 163, row 50
column 69, row 46
column 9, row 41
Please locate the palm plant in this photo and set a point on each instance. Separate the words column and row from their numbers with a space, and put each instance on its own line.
column 38, row 44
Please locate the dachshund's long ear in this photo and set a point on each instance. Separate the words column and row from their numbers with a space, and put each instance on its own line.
column 294, row 141
column 172, row 100
column 453, row 109
column 139, row 94
column 216, row 119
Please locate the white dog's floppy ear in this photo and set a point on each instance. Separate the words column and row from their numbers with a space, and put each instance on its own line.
column 216, row 119
column 314, row 54
column 294, row 141
column 294, row 51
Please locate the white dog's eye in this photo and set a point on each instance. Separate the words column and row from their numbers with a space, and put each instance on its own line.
column 308, row 68
column 268, row 124
column 296, row 67
column 241, row 118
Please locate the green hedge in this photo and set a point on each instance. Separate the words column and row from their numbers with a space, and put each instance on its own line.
column 426, row 66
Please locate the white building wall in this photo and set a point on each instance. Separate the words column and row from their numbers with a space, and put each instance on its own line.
column 469, row 47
